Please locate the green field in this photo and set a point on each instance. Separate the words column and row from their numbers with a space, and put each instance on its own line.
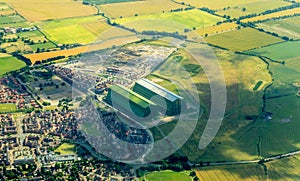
column 66, row 148
column 11, row 19
column 167, row 175
column 45, row 46
column 75, row 30
column 170, row 22
column 10, row 63
column 7, row 108
column 242, row 40
column 98, row 2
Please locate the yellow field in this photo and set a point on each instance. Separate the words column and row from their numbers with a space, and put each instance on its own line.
column 273, row 15
column 126, row 9
column 211, row 30
column 38, row 10
column 75, row 51
column 242, row 40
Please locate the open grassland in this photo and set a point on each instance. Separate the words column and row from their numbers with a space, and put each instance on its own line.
column 273, row 15
column 23, row 24
column 170, row 21
column 293, row 20
column 211, row 30
column 241, row 74
column 232, row 172
column 5, row 9
column 11, row 19
column 75, row 51
column 15, row 46
column 66, row 148
column 281, row 51
column 127, row 9
column 9, row 63
column 167, row 175
column 97, row 2
column 282, row 169
column 251, row 7
column 282, row 28
column 75, row 30
column 7, row 108
column 242, row 39
column 36, row 10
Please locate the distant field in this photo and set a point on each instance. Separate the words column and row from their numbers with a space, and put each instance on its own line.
column 9, row 63
column 127, row 9
column 15, row 46
column 242, row 40
column 22, row 24
column 75, row 51
column 75, row 30
column 11, row 19
column 167, row 175
column 282, row 169
column 279, row 51
column 66, row 148
column 47, row 45
column 5, row 108
column 273, row 15
column 36, row 10
column 211, row 30
column 171, row 22
column 97, row 2
column 282, row 27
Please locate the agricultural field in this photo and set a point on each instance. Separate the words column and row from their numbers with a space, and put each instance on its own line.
column 272, row 15
column 98, row 2
column 242, row 39
column 36, row 10
column 9, row 63
column 11, row 19
column 5, row 9
column 66, row 148
column 16, row 46
column 282, row 28
column 7, row 108
column 211, row 30
column 82, row 30
column 282, row 169
column 75, row 51
column 167, row 175
column 127, row 9
column 170, row 21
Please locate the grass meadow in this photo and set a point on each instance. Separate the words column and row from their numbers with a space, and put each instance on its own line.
column 9, row 63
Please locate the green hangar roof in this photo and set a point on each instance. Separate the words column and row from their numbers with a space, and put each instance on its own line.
column 157, row 89
column 132, row 96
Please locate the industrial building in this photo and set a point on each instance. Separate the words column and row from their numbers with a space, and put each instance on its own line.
column 149, row 89
column 128, row 101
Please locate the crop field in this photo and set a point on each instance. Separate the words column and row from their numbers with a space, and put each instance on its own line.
column 211, row 30
column 282, row 28
column 9, row 63
column 294, row 20
column 167, row 175
column 273, row 15
column 15, row 46
column 98, row 2
column 5, row 108
column 11, row 19
column 75, row 30
column 5, row 9
column 127, row 9
column 242, row 39
column 75, row 51
column 36, row 10
column 66, row 148
column 22, row 24
column 170, row 21
column 252, row 7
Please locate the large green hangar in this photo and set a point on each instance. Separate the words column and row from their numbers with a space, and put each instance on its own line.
column 128, row 101
column 159, row 95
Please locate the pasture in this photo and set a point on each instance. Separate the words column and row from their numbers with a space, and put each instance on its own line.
column 127, row 9
column 7, row 108
column 82, row 30
column 9, row 63
column 11, row 19
column 282, row 28
column 242, row 39
column 98, row 2
column 36, row 10
column 66, row 148
column 170, row 21
column 167, row 175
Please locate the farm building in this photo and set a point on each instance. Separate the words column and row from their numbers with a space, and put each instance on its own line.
column 149, row 89
column 128, row 101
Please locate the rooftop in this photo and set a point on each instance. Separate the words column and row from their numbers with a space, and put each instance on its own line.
column 157, row 89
